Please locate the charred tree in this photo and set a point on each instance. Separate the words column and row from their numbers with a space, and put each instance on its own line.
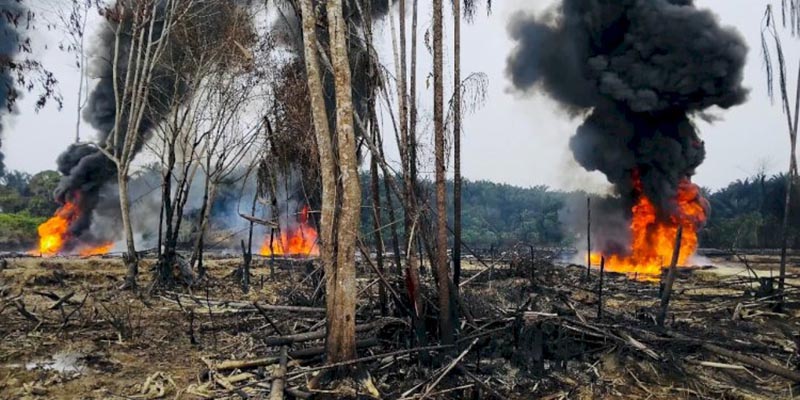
column 341, row 280
column 442, row 265
column 456, row 144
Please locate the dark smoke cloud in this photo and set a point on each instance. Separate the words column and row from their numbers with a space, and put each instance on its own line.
column 86, row 170
column 640, row 69
column 10, row 11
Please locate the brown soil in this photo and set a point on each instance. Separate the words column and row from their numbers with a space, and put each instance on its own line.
column 538, row 333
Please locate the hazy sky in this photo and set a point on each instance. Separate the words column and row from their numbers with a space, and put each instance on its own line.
column 513, row 139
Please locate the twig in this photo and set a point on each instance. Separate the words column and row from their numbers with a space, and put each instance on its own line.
column 25, row 313
column 370, row 358
column 448, row 369
column 266, row 317
column 482, row 384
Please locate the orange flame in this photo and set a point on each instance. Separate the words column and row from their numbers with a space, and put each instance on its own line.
column 297, row 241
column 96, row 251
column 653, row 238
column 54, row 234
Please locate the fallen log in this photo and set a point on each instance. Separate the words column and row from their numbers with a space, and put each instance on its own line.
column 278, row 377
column 754, row 362
column 242, row 305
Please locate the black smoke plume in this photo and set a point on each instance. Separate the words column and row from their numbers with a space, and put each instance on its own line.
column 11, row 11
column 640, row 69
column 86, row 170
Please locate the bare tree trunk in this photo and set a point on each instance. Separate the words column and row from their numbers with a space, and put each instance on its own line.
column 131, row 258
column 395, row 235
column 412, row 121
column 457, row 144
column 588, row 237
column 209, row 194
column 790, row 178
column 167, row 258
column 377, row 224
column 323, row 135
column 341, row 287
column 412, row 245
column 442, row 265
column 248, row 253
column 667, row 289
column 197, row 253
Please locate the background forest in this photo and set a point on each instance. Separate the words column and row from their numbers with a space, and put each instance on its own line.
column 744, row 214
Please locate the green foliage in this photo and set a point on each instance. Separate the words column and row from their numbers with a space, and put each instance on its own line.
column 502, row 215
column 23, row 193
column 25, row 202
column 494, row 215
column 746, row 214
column 18, row 230
column 749, row 213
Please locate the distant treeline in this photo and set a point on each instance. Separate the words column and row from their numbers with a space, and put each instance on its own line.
column 745, row 214
column 748, row 214
column 25, row 202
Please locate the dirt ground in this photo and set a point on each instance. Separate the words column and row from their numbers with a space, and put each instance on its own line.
column 67, row 332
column 112, row 340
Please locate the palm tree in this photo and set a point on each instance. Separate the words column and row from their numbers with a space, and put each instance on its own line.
column 769, row 28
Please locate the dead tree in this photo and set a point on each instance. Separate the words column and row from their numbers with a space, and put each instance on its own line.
column 203, row 105
column 456, row 144
column 769, row 28
column 442, row 265
column 666, row 291
column 131, row 93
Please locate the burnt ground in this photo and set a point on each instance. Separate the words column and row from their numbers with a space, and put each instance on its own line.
column 67, row 332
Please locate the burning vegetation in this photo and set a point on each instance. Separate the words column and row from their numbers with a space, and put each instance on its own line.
column 297, row 239
column 55, row 237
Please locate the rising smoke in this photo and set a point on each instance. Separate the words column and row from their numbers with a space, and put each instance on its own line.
column 11, row 11
column 638, row 70
column 86, row 170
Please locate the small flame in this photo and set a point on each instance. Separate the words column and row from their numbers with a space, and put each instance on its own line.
column 653, row 239
column 300, row 240
column 96, row 251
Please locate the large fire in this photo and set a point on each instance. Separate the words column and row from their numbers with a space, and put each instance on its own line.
column 299, row 240
column 54, row 234
column 653, row 238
